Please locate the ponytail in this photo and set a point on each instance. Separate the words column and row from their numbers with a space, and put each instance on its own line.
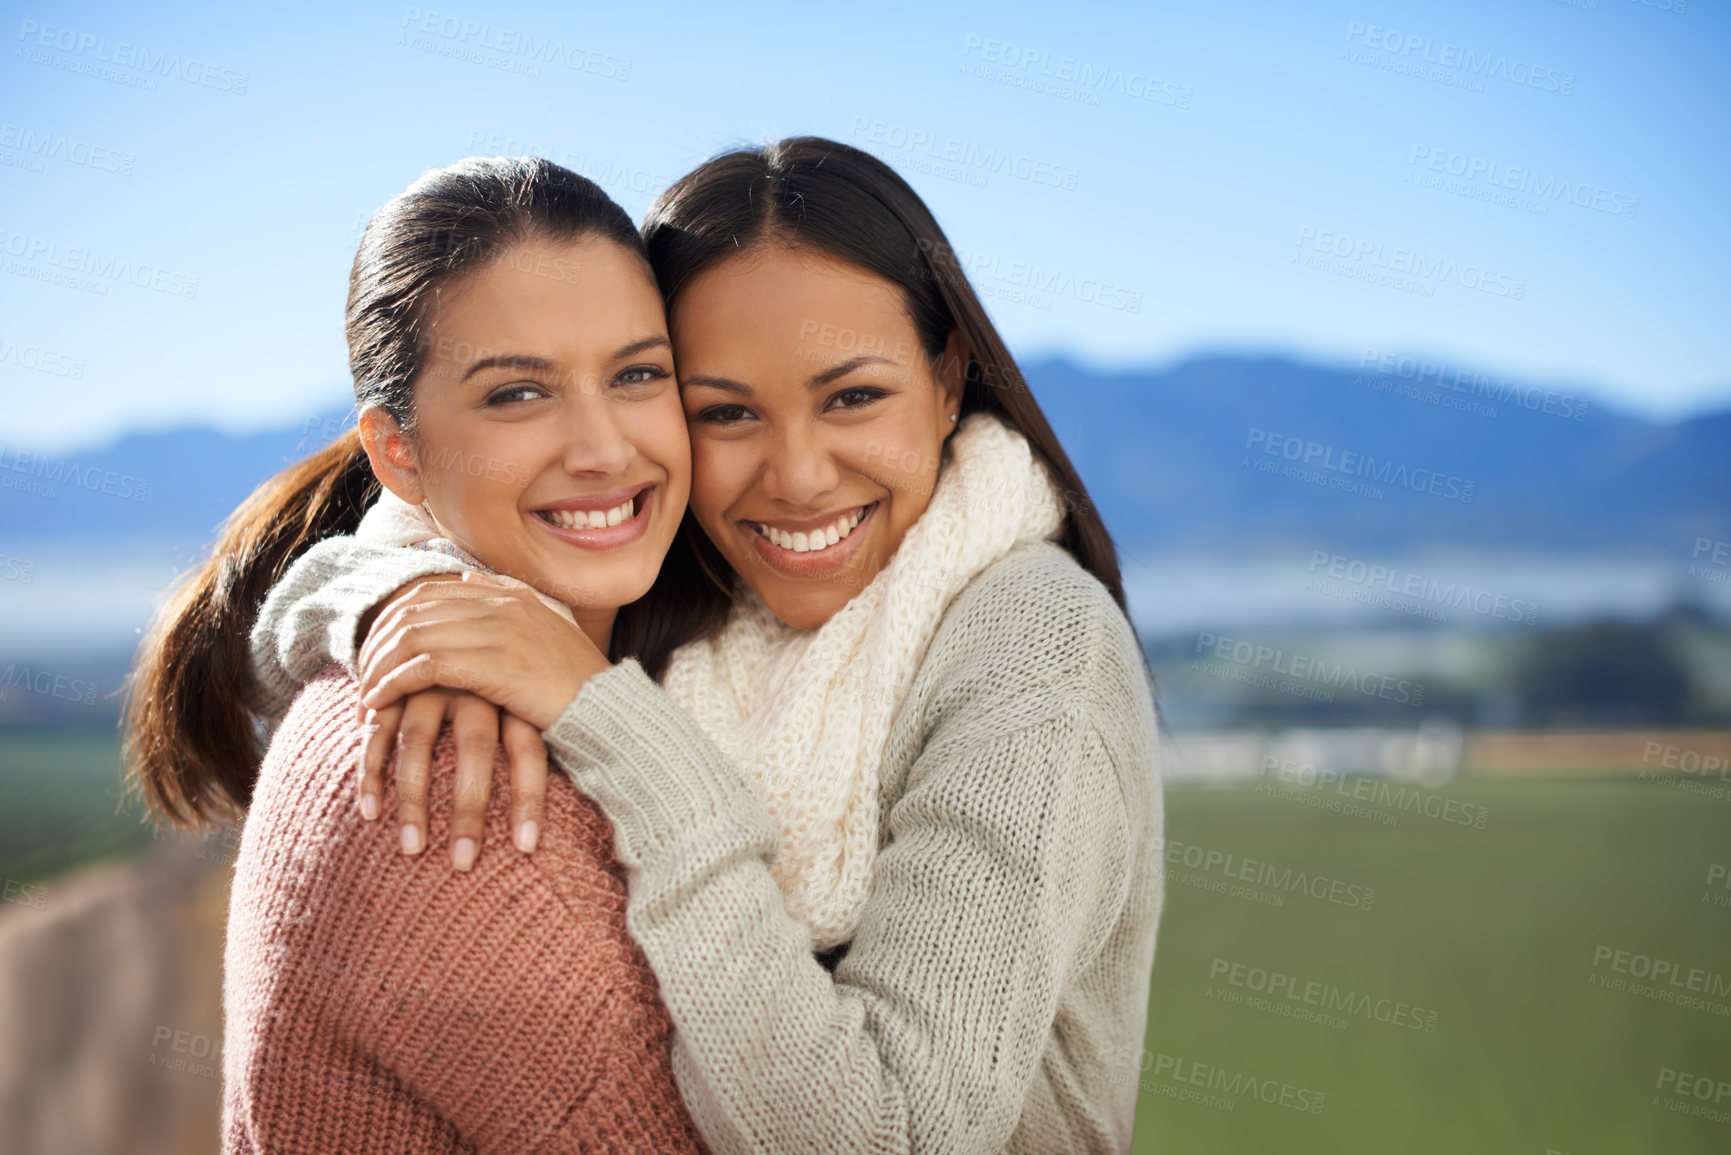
column 193, row 741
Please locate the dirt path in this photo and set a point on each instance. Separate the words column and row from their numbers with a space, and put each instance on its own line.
column 111, row 1009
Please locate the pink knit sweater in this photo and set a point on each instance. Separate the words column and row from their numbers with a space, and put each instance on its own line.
column 377, row 1002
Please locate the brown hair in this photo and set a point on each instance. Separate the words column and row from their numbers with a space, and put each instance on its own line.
column 837, row 200
column 192, row 735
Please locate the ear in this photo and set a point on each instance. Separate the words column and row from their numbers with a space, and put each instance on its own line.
column 392, row 454
column 951, row 375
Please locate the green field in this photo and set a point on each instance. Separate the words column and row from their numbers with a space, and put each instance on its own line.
column 1461, row 1006
column 1495, row 930
column 61, row 804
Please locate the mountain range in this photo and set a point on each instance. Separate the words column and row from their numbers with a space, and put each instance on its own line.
column 1231, row 456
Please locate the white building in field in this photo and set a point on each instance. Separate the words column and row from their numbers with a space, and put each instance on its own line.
column 1429, row 755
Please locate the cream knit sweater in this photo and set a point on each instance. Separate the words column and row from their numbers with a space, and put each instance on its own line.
column 806, row 713
column 994, row 994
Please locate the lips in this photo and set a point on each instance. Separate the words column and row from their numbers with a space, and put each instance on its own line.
column 813, row 538
column 590, row 518
column 777, row 543
column 600, row 521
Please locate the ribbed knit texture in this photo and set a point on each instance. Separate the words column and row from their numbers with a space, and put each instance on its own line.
column 994, row 995
column 380, row 1003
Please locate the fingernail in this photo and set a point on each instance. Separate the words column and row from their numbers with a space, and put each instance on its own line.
column 527, row 834
column 411, row 840
column 369, row 806
column 463, row 853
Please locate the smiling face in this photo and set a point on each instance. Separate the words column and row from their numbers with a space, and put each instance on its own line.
column 817, row 422
column 549, row 438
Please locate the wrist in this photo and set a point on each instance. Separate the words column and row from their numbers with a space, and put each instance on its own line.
column 560, row 696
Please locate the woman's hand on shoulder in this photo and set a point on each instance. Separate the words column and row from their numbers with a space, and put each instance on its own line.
column 499, row 642
column 410, row 728
column 475, row 655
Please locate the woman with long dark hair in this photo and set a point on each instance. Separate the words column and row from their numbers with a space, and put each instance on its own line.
column 514, row 374
column 888, row 812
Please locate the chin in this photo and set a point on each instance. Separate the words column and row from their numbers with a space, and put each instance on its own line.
column 803, row 611
column 585, row 589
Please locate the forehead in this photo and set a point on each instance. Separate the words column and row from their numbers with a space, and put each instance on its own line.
column 788, row 306
column 551, row 298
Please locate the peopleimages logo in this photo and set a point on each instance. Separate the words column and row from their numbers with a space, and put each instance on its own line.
column 1033, row 66
column 87, row 48
column 1352, row 463
column 1405, row 583
column 59, row 146
column 40, row 359
column 465, row 35
column 1546, row 189
column 1405, row 267
column 59, row 471
column 982, row 266
column 1325, row 997
column 1304, row 668
column 105, row 267
column 47, row 683
column 966, row 154
column 1424, row 373
column 1479, row 65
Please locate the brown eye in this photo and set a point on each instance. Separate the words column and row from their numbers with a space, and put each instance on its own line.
column 723, row 414
column 856, row 398
column 523, row 391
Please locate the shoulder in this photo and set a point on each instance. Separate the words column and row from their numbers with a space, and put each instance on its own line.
column 342, row 950
column 304, row 838
column 1036, row 626
column 1036, row 644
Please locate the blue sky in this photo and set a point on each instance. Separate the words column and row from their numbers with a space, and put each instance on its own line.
column 1526, row 187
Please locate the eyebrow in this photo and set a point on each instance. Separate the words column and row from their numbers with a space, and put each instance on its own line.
column 542, row 365
column 834, row 373
column 839, row 371
column 509, row 361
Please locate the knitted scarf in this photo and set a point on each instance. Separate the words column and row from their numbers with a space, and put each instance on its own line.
column 807, row 713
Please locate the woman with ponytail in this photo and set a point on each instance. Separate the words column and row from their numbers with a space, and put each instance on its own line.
column 514, row 379
column 889, row 816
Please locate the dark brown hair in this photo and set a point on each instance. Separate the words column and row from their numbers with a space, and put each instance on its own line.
column 192, row 735
column 193, row 739
column 834, row 199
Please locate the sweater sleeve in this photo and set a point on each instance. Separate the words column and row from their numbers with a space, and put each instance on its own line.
column 311, row 615
column 1001, row 857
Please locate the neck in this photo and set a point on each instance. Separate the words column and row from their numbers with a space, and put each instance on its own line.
column 597, row 625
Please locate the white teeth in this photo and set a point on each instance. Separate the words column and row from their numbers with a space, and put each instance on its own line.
column 591, row 518
column 816, row 539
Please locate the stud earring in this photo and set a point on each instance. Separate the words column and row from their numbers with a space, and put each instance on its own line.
column 952, row 417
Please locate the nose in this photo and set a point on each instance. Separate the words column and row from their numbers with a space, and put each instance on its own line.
column 800, row 469
column 595, row 442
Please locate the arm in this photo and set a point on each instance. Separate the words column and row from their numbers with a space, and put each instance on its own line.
column 1002, row 857
column 317, row 613
column 313, row 614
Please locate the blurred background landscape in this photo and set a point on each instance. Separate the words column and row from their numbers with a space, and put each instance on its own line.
column 1435, row 580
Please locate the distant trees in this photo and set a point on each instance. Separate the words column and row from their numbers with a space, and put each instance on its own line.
column 1603, row 673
